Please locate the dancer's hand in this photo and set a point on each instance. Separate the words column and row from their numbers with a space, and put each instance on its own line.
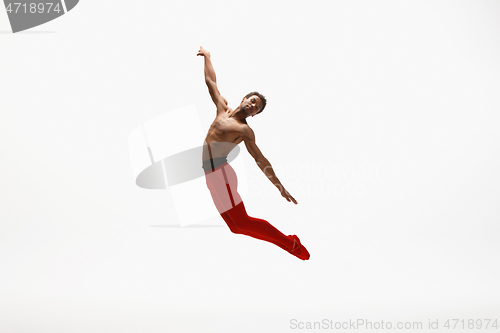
column 203, row 52
column 287, row 196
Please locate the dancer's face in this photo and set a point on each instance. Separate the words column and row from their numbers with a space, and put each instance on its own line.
column 251, row 105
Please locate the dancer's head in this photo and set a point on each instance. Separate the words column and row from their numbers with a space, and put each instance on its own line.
column 253, row 103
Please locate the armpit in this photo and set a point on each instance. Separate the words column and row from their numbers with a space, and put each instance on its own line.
column 248, row 133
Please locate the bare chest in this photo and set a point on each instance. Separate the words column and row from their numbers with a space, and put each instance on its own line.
column 225, row 129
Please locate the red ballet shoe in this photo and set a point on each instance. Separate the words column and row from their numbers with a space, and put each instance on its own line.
column 300, row 251
column 296, row 251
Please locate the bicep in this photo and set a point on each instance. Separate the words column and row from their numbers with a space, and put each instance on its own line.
column 252, row 147
column 213, row 90
column 219, row 101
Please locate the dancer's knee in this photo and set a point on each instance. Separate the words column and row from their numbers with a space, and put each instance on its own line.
column 234, row 229
column 244, row 224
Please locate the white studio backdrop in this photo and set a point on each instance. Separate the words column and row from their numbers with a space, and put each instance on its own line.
column 381, row 121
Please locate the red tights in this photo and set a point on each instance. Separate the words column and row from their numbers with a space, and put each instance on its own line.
column 222, row 183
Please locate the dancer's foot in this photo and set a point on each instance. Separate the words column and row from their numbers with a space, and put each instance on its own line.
column 298, row 249
column 302, row 253
column 295, row 247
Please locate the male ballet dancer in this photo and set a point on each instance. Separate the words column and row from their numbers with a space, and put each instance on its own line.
column 226, row 132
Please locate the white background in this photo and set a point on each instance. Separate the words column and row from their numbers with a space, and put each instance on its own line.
column 382, row 121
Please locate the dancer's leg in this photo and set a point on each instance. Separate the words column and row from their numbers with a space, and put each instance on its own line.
column 234, row 228
column 257, row 228
column 297, row 248
column 222, row 183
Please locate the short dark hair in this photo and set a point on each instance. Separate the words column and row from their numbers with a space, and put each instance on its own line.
column 262, row 98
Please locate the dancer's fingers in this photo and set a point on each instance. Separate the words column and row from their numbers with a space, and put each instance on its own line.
column 288, row 197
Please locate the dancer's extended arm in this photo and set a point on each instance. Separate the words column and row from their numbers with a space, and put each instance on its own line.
column 264, row 164
column 211, row 81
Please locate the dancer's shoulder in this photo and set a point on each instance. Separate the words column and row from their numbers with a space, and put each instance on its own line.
column 247, row 132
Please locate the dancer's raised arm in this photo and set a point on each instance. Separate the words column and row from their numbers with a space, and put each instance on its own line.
column 211, row 81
